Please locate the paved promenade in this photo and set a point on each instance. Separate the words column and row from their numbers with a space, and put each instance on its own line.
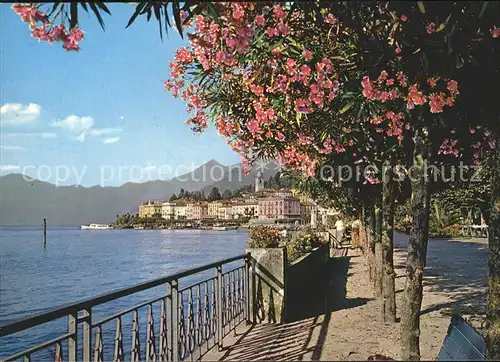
column 345, row 323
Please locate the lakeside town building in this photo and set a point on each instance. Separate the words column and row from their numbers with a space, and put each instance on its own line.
column 262, row 207
column 280, row 208
column 150, row 208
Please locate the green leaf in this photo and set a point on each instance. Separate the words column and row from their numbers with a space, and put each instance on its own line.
column 156, row 9
column 177, row 16
column 440, row 27
column 167, row 20
column 97, row 14
column 485, row 5
column 212, row 11
column 54, row 8
column 103, row 7
column 421, row 6
column 346, row 108
column 84, row 6
column 298, row 115
column 138, row 10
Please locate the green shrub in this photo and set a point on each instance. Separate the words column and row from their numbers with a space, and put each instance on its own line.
column 264, row 237
column 302, row 243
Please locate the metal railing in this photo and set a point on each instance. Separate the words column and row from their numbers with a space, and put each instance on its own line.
column 192, row 320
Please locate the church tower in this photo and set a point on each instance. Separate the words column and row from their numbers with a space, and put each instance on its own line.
column 259, row 182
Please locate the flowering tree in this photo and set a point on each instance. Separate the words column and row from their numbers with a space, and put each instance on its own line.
column 349, row 83
column 275, row 87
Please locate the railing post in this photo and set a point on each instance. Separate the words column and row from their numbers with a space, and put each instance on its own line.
column 172, row 319
column 253, row 294
column 87, row 337
column 73, row 341
column 247, row 289
column 220, row 311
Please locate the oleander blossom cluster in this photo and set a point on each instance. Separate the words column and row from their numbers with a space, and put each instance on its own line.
column 267, row 81
column 44, row 30
column 302, row 83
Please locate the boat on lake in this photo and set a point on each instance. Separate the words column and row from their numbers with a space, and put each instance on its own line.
column 219, row 228
column 96, row 227
column 138, row 227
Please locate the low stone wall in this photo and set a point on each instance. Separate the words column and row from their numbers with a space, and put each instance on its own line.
column 305, row 282
column 267, row 284
column 283, row 291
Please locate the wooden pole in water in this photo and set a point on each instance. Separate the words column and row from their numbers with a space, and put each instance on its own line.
column 44, row 241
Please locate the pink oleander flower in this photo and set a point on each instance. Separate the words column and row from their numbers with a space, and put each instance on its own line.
column 272, row 32
column 278, row 12
column 432, row 81
column 389, row 82
column 330, row 19
column 76, row 34
column 452, row 86
column 398, row 50
column 382, row 77
column 402, row 79
column 404, row 18
column 238, row 11
column 495, row 32
column 257, row 89
column 303, row 106
column 284, row 29
column 307, row 55
column 305, row 70
column 415, row 97
column 291, row 66
column 431, row 28
column 30, row 13
column 436, row 102
column 259, row 20
column 448, row 147
column 58, row 33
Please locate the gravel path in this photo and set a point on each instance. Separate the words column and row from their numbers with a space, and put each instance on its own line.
column 455, row 279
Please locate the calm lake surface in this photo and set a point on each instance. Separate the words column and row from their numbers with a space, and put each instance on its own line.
column 79, row 264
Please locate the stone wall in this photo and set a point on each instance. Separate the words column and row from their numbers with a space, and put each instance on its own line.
column 268, row 279
column 283, row 291
column 305, row 283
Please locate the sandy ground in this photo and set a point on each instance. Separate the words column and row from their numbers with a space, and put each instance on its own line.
column 455, row 279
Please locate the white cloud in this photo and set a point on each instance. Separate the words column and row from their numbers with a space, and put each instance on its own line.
column 104, row 131
column 12, row 148
column 17, row 113
column 110, row 140
column 44, row 135
column 79, row 127
column 9, row 168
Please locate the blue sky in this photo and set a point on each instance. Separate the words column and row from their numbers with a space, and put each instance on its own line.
column 112, row 89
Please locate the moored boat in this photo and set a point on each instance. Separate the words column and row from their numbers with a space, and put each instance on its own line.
column 96, row 227
column 219, row 228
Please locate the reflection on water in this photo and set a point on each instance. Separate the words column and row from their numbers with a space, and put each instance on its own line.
column 79, row 264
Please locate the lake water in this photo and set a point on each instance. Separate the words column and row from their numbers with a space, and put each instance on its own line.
column 79, row 264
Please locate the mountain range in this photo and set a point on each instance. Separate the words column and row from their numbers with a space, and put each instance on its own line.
column 28, row 202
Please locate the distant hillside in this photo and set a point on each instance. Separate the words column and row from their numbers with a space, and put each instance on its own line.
column 28, row 202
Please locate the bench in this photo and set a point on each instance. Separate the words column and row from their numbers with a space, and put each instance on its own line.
column 462, row 342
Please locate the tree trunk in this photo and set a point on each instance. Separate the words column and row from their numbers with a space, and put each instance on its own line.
column 370, row 243
column 388, row 275
column 377, row 280
column 417, row 250
column 493, row 311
